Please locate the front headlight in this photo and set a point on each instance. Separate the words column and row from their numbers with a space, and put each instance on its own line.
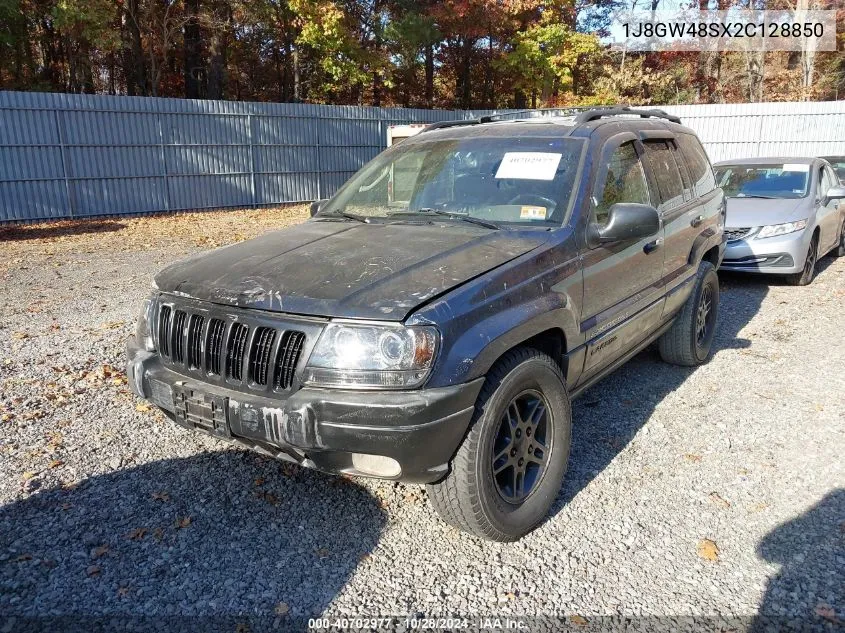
column 372, row 356
column 774, row 230
column 143, row 333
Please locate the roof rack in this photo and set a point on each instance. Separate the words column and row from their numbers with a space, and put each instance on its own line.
column 582, row 115
column 593, row 114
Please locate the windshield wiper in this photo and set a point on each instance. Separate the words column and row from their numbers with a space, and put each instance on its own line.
column 344, row 214
column 751, row 195
column 463, row 217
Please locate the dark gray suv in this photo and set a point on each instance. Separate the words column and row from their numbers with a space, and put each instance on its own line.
column 432, row 321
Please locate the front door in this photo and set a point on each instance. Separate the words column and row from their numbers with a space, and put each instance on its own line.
column 622, row 291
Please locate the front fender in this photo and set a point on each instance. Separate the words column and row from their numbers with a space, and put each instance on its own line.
column 490, row 315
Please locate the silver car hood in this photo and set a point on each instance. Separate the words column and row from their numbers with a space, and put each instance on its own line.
column 749, row 212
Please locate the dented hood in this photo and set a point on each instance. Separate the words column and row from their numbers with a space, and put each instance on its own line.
column 346, row 269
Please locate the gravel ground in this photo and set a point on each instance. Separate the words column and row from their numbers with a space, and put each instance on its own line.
column 716, row 492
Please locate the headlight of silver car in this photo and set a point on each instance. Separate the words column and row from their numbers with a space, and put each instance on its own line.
column 143, row 333
column 773, row 230
column 383, row 356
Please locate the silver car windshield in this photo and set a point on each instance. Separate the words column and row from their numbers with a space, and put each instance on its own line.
column 764, row 181
column 521, row 180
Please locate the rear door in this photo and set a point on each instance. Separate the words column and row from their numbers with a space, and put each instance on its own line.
column 622, row 289
column 675, row 202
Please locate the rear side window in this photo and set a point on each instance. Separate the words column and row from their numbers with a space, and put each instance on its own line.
column 625, row 181
column 701, row 173
column 658, row 153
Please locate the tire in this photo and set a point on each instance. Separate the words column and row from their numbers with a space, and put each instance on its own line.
column 689, row 341
column 840, row 248
column 474, row 499
column 806, row 276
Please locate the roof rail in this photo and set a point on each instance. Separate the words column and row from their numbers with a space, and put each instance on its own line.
column 593, row 114
column 582, row 115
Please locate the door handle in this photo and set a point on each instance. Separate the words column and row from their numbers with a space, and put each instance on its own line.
column 697, row 220
column 652, row 246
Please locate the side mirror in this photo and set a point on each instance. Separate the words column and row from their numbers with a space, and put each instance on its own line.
column 626, row 221
column 316, row 206
column 834, row 193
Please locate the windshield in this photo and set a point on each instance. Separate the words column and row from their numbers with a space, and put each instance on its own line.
column 764, row 181
column 523, row 180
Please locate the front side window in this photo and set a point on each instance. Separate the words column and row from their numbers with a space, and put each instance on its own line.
column 787, row 180
column 666, row 173
column 624, row 182
column 518, row 180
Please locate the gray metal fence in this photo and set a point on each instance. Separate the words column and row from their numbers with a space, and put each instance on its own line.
column 65, row 156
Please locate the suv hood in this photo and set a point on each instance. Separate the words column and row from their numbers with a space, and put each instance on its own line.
column 749, row 212
column 344, row 269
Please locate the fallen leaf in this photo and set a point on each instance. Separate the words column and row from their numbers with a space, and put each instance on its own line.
column 137, row 534
column 161, row 496
column 708, row 550
column 578, row 620
column 20, row 335
column 717, row 499
column 23, row 557
column 183, row 522
column 93, row 570
column 692, row 457
column 111, row 325
column 827, row 612
column 259, row 481
column 142, row 407
column 322, row 552
column 97, row 552
column 56, row 463
column 28, row 475
column 282, row 608
column 158, row 534
column 123, row 591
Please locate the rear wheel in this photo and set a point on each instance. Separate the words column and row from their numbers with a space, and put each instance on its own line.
column 509, row 469
column 689, row 340
column 809, row 272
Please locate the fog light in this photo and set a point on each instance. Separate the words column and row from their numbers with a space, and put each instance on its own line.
column 377, row 465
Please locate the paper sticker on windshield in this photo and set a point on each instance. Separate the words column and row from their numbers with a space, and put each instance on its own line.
column 796, row 167
column 528, row 165
column 532, row 213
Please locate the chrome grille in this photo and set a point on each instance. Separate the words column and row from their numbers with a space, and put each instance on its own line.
column 259, row 358
column 214, row 346
column 164, row 316
column 235, row 351
column 733, row 234
column 231, row 347
column 286, row 359
column 195, row 341
column 179, row 336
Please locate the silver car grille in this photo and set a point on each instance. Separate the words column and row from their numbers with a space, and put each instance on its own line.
column 733, row 234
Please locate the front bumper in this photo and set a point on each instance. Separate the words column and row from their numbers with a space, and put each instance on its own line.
column 780, row 255
column 320, row 428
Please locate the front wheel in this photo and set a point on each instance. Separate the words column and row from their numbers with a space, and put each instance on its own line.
column 510, row 467
column 809, row 272
column 689, row 340
column 840, row 248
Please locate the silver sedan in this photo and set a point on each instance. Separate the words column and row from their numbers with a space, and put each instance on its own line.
column 783, row 214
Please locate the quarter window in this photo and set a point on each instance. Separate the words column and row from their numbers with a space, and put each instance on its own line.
column 701, row 173
column 625, row 181
column 666, row 173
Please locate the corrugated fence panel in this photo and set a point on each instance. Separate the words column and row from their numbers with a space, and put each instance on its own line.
column 65, row 155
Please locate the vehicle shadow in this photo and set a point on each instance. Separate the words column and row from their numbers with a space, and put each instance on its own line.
column 608, row 415
column 216, row 541
column 19, row 232
column 809, row 590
